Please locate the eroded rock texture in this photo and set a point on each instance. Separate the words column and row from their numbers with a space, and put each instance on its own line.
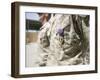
column 64, row 40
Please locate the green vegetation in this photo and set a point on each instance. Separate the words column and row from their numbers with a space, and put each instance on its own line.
column 33, row 25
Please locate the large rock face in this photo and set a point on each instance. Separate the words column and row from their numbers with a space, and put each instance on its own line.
column 60, row 42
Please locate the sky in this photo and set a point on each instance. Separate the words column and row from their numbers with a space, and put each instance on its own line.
column 32, row 16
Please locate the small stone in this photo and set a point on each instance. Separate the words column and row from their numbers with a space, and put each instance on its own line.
column 60, row 32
